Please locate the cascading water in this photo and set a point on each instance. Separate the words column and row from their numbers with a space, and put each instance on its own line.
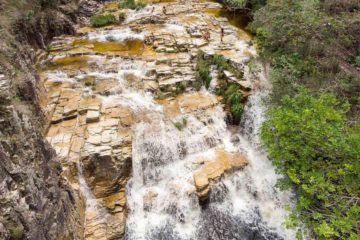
column 161, row 194
column 169, row 146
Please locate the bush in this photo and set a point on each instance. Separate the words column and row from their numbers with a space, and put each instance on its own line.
column 233, row 99
column 203, row 70
column 244, row 4
column 17, row 232
column 132, row 4
column 309, row 142
column 102, row 20
column 308, row 46
column 221, row 62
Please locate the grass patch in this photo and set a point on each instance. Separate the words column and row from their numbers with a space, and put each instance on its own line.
column 132, row 4
column 102, row 20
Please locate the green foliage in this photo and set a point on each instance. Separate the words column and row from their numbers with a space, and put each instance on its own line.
column 203, row 71
column 244, row 4
column 357, row 61
column 132, row 4
column 310, row 43
column 30, row 14
column 233, row 99
column 221, row 62
column 160, row 95
column 180, row 87
column 230, row 92
column 181, row 124
column 16, row 232
column 102, row 20
column 309, row 142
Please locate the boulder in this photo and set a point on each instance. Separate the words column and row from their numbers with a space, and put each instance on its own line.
column 213, row 169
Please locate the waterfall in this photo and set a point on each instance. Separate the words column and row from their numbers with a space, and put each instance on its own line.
column 161, row 195
column 171, row 138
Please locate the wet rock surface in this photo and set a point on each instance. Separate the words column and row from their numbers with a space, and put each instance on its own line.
column 217, row 225
column 36, row 201
column 213, row 169
column 130, row 129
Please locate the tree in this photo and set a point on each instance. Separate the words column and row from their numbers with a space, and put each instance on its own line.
column 308, row 140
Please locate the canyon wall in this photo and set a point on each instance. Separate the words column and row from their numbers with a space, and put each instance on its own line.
column 36, row 202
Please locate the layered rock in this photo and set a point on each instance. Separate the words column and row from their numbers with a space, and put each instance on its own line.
column 101, row 83
column 213, row 169
column 36, row 201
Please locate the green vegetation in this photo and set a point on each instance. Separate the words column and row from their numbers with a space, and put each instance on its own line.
column 181, row 124
column 312, row 131
column 244, row 4
column 132, row 4
column 233, row 99
column 180, row 87
column 230, row 91
column 310, row 143
column 313, row 44
column 102, row 20
column 203, row 71
column 17, row 232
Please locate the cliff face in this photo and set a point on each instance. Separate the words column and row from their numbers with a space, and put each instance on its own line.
column 36, row 202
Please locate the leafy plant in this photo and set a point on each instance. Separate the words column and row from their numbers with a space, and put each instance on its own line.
column 220, row 61
column 102, row 20
column 30, row 14
column 203, row 70
column 234, row 100
column 132, row 4
column 308, row 140
column 180, row 87
column 357, row 61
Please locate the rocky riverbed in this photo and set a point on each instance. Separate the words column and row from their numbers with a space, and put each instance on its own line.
column 121, row 104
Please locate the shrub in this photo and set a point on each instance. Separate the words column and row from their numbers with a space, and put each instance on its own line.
column 30, row 14
column 220, row 61
column 17, row 232
column 309, row 142
column 180, row 87
column 357, row 61
column 307, row 46
column 132, row 4
column 244, row 4
column 203, row 71
column 102, row 20
column 234, row 100
column 122, row 17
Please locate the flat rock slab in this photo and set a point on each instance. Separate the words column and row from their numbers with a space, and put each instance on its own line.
column 213, row 169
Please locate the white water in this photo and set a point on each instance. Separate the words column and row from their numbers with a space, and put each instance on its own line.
column 119, row 35
column 244, row 205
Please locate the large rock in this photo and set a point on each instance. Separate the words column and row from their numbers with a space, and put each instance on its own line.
column 213, row 169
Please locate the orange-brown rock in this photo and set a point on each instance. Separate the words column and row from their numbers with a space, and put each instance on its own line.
column 213, row 169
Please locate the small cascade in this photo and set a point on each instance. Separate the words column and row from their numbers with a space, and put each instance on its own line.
column 161, row 194
column 95, row 213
